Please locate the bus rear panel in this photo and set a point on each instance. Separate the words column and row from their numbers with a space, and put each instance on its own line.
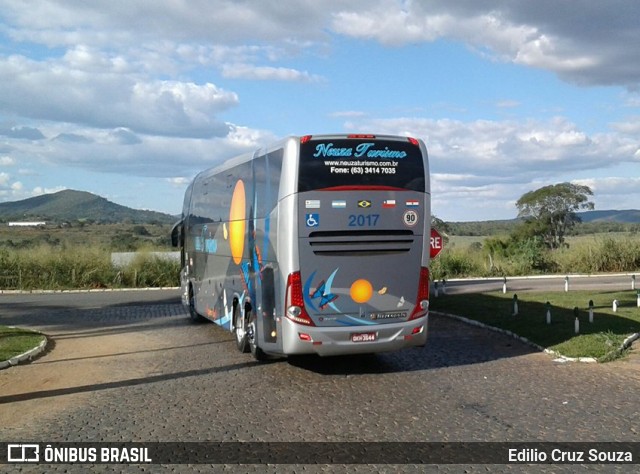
column 363, row 213
column 317, row 244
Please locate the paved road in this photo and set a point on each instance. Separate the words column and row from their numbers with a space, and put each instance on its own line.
column 129, row 366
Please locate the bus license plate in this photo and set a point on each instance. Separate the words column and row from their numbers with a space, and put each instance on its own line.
column 364, row 336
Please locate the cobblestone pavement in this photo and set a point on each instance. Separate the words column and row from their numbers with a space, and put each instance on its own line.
column 130, row 366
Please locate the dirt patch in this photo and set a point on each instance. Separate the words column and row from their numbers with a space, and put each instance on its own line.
column 63, row 377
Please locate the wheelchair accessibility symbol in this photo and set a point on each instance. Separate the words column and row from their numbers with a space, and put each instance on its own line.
column 312, row 220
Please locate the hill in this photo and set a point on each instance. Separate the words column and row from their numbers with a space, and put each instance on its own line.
column 629, row 216
column 593, row 222
column 70, row 205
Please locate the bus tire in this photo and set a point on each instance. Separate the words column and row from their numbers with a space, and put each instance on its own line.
column 257, row 353
column 239, row 328
column 193, row 314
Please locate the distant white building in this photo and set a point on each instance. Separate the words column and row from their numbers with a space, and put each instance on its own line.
column 27, row 224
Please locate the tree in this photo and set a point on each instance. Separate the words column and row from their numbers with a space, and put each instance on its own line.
column 442, row 227
column 551, row 210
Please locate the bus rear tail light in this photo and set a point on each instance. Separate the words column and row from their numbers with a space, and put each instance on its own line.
column 294, row 303
column 413, row 141
column 422, row 301
column 361, row 135
column 305, row 139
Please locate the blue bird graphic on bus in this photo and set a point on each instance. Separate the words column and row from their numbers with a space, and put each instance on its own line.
column 325, row 296
column 323, row 293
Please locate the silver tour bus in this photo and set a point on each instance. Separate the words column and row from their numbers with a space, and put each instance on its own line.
column 317, row 244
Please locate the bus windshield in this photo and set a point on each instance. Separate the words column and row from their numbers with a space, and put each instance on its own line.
column 347, row 162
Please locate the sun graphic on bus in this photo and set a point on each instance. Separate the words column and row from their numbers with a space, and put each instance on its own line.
column 361, row 291
column 237, row 222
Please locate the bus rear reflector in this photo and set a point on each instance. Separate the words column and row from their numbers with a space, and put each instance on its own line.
column 422, row 300
column 294, row 303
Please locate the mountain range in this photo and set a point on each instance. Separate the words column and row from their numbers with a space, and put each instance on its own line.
column 629, row 216
column 70, row 205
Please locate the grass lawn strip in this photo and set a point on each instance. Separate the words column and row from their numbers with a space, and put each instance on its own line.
column 606, row 338
column 18, row 344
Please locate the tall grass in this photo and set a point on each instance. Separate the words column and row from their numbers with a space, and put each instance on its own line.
column 585, row 255
column 58, row 268
column 601, row 255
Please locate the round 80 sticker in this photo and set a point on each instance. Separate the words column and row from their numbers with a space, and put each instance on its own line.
column 410, row 218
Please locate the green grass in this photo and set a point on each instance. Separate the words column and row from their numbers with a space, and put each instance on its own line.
column 469, row 256
column 16, row 341
column 52, row 268
column 600, row 339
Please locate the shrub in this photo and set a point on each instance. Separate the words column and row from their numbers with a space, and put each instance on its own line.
column 48, row 268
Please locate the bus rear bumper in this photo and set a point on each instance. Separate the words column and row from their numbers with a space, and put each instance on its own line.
column 329, row 341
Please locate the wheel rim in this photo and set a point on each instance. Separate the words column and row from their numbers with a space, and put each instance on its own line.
column 252, row 334
column 239, row 326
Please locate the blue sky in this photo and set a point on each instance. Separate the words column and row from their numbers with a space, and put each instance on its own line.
column 130, row 100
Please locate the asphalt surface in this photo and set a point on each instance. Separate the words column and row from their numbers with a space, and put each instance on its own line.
column 130, row 366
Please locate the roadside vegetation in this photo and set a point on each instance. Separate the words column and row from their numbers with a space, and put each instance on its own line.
column 507, row 256
column 79, row 257
column 541, row 242
column 545, row 241
column 601, row 339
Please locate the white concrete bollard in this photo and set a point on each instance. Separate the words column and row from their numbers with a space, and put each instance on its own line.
column 548, row 305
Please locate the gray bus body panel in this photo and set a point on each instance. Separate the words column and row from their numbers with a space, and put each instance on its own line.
column 280, row 243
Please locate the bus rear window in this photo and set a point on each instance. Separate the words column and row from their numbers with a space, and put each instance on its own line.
column 344, row 163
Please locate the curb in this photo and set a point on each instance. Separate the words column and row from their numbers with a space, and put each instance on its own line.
column 558, row 357
column 26, row 356
column 92, row 290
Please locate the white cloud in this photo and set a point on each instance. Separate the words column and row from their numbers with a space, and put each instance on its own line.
column 614, row 192
column 179, row 181
column 612, row 186
column 509, row 148
column 60, row 93
column 489, row 164
column 7, row 161
column 590, row 42
column 39, row 190
column 266, row 73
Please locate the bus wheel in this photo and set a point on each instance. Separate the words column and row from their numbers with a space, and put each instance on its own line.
column 257, row 353
column 242, row 340
column 195, row 317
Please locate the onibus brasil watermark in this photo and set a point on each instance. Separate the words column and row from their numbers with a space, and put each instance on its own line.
column 357, row 452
